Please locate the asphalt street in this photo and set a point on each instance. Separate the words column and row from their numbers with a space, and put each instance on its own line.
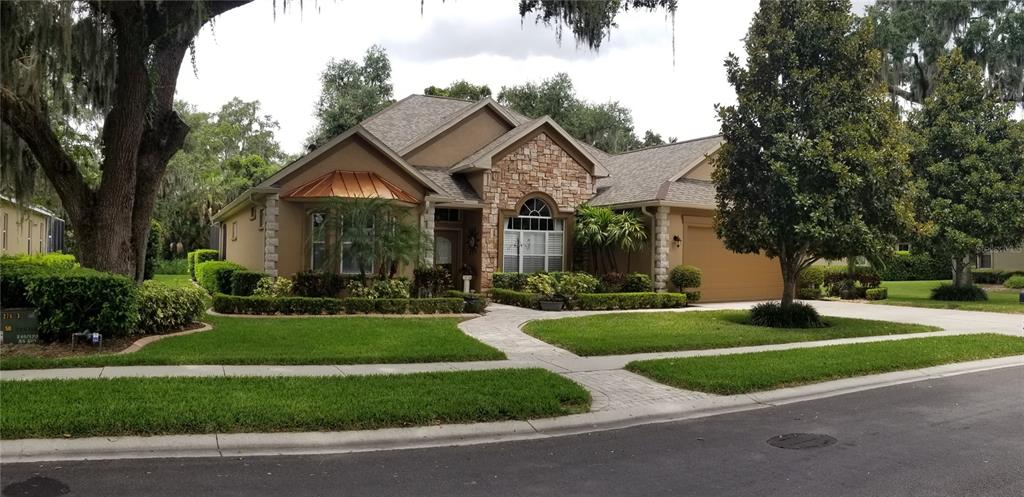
column 957, row 436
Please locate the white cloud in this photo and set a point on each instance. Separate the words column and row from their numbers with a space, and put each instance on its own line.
column 254, row 56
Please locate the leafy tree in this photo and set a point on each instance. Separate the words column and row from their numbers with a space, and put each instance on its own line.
column 651, row 139
column 970, row 157
column 814, row 163
column 460, row 89
column 62, row 59
column 351, row 92
column 607, row 126
column 914, row 35
column 225, row 153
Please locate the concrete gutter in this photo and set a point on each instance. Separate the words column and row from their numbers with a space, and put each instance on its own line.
column 255, row 444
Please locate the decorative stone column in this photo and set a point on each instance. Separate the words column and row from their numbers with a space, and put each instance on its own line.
column 661, row 249
column 427, row 225
column 270, row 227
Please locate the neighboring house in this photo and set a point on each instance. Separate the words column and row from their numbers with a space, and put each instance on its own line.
column 29, row 230
column 496, row 191
column 1002, row 260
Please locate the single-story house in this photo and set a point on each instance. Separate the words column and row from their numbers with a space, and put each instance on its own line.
column 29, row 229
column 496, row 191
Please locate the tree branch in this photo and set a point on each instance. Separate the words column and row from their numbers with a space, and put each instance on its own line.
column 34, row 129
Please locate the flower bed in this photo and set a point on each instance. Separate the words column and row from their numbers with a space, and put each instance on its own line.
column 232, row 304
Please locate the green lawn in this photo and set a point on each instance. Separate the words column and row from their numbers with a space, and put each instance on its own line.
column 158, row 406
column 173, row 280
column 741, row 373
column 341, row 340
column 628, row 333
column 918, row 293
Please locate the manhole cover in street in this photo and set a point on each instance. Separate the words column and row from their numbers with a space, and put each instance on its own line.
column 798, row 441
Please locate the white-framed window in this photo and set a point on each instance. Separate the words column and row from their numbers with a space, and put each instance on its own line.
column 318, row 247
column 262, row 213
column 29, row 231
column 234, row 230
column 533, row 240
column 984, row 260
column 42, row 236
column 903, row 247
column 5, row 232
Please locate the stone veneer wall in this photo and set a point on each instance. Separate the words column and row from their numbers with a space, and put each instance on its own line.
column 270, row 240
column 537, row 165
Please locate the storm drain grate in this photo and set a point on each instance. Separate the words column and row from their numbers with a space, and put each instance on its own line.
column 797, row 441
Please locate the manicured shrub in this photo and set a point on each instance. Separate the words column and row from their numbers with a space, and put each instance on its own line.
column 475, row 303
column 776, row 315
column 430, row 281
column 685, row 277
column 244, row 282
column 839, row 284
column 196, row 257
column 215, row 276
column 1016, row 281
column 163, row 308
column 171, row 266
column 990, row 276
column 154, row 249
column 812, row 277
column 612, row 283
column 357, row 290
column 808, row 293
column 231, row 304
column 633, row 300
column 510, row 281
column 319, row 284
column 692, row 296
column 637, row 282
column 269, row 286
column 542, row 284
column 907, row 266
column 14, row 278
column 397, row 288
column 513, row 297
column 570, row 285
column 949, row 292
column 80, row 299
column 879, row 293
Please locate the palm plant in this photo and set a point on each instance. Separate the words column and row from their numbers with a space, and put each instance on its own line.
column 602, row 230
column 628, row 233
column 376, row 234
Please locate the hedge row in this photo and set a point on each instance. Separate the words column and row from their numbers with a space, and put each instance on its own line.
column 906, row 266
column 163, row 308
column 232, row 304
column 215, row 276
column 645, row 300
column 197, row 257
column 516, row 298
column 991, row 277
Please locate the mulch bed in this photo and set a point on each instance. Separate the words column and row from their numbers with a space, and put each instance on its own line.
column 63, row 349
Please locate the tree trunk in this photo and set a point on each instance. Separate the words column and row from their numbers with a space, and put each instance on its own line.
column 962, row 276
column 790, row 272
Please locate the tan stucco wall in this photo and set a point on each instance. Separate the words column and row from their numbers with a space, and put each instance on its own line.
column 22, row 225
column 727, row 276
column 460, row 141
column 353, row 154
column 244, row 246
column 702, row 171
column 1008, row 260
column 535, row 165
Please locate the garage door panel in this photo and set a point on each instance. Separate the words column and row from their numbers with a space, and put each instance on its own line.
column 728, row 275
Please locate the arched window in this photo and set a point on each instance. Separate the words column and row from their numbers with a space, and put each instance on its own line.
column 533, row 240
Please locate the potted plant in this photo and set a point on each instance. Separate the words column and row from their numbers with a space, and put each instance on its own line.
column 547, row 287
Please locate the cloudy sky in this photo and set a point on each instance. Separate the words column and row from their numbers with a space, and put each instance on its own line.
column 255, row 55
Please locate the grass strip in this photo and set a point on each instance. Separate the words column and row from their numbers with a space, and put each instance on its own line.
column 342, row 340
column 630, row 333
column 918, row 294
column 160, row 406
column 742, row 373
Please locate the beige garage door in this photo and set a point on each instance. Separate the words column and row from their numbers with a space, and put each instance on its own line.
column 728, row 275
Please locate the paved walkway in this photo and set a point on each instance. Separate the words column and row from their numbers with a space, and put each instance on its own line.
column 612, row 387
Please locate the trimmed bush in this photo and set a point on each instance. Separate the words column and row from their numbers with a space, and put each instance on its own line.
column 692, row 296
column 163, row 308
column 570, row 285
column 430, row 281
column 244, row 283
column 215, row 276
column 634, row 300
column 685, row 277
column 637, row 282
column 776, row 315
column 1016, row 281
column 231, row 304
column 949, row 292
column 812, row 277
column 510, row 281
column 513, row 297
column 612, row 283
column 839, row 284
column 397, row 288
column 269, row 286
column 74, row 300
column 475, row 303
column 357, row 290
column 154, row 249
column 907, row 266
column 319, row 284
column 879, row 293
column 199, row 256
column 991, row 277
column 809, row 293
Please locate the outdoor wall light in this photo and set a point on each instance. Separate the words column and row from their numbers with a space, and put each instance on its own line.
column 677, row 240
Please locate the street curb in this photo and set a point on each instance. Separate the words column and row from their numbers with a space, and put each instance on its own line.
column 257, row 444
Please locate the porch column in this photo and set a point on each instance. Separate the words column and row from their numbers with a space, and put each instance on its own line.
column 427, row 225
column 270, row 235
column 661, row 249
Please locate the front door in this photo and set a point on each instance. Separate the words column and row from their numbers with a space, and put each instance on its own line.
column 447, row 251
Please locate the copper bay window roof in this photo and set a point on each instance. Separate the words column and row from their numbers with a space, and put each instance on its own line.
column 351, row 184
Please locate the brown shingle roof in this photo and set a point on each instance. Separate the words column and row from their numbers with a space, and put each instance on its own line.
column 645, row 175
column 455, row 185
column 404, row 121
